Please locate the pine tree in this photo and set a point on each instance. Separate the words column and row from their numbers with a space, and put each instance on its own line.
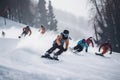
column 107, row 18
column 52, row 22
column 25, row 11
column 17, row 10
column 42, row 13
column 4, row 8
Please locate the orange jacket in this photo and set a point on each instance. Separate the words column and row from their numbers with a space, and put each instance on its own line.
column 27, row 30
column 106, row 46
column 59, row 40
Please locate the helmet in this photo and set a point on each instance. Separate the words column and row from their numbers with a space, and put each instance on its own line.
column 90, row 37
column 42, row 26
column 83, row 40
column 27, row 26
column 66, row 33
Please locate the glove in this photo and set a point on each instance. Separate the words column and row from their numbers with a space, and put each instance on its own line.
column 65, row 49
column 99, row 50
column 110, row 52
column 86, row 50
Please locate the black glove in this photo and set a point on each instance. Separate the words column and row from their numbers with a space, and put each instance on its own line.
column 110, row 52
column 65, row 49
column 86, row 50
column 99, row 49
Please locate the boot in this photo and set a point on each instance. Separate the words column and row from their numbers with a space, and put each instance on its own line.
column 46, row 55
column 55, row 57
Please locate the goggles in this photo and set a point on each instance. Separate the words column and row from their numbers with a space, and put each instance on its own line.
column 66, row 35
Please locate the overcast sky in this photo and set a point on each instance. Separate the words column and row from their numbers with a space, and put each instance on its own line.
column 77, row 7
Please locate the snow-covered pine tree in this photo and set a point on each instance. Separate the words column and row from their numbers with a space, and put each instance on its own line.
column 52, row 22
column 43, row 13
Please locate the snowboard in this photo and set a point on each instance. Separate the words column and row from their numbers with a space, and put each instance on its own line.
column 99, row 54
column 50, row 58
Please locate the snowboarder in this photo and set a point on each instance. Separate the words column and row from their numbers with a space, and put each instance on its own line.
column 105, row 48
column 89, row 40
column 3, row 34
column 58, row 43
column 42, row 29
column 26, row 30
column 80, row 46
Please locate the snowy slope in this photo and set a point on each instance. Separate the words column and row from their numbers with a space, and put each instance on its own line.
column 20, row 60
column 9, row 23
column 25, row 63
column 12, row 29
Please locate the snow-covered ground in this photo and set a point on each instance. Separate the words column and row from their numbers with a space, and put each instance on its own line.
column 20, row 59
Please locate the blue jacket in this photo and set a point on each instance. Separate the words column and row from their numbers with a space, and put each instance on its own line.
column 82, row 44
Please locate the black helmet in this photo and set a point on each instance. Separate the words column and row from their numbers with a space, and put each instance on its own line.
column 83, row 40
column 90, row 37
column 66, row 32
column 27, row 26
column 42, row 26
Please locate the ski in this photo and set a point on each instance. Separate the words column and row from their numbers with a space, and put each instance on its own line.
column 72, row 50
column 50, row 58
column 99, row 54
